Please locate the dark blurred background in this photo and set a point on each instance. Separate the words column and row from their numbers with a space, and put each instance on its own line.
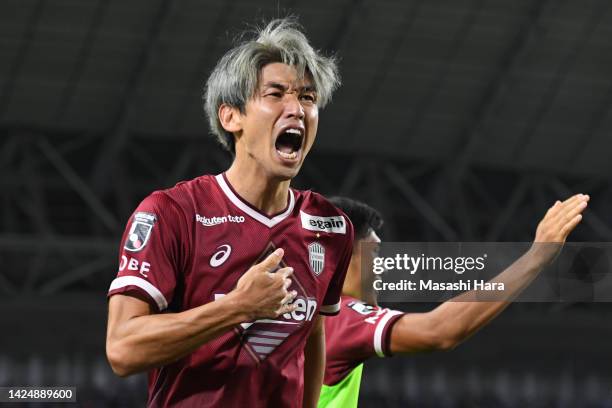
column 460, row 120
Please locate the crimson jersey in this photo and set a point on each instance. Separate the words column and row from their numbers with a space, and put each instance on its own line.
column 189, row 245
column 359, row 332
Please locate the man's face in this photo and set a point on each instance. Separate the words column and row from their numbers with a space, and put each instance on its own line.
column 280, row 122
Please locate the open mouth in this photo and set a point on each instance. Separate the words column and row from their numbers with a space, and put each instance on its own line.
column 289, row 143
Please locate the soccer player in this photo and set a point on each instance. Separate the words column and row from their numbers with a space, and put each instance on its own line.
column 223, row 279
column 363, row 329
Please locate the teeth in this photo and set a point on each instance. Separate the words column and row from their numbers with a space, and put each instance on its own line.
column 289, row 156
column 294, row 131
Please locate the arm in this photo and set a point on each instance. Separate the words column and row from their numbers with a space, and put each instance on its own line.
column 459, row 318
column 314, row 363
column 138, row 340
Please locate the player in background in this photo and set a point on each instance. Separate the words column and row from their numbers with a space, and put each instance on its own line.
column 223, row 279
column 363, row 329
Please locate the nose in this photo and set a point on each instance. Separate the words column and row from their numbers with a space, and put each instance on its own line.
column 293, row 107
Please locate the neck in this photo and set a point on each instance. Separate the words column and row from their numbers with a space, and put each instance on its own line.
column 267, row 195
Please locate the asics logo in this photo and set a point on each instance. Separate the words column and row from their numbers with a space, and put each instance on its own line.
column 219, row 257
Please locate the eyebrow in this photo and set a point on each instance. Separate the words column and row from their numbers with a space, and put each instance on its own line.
column 307, row 88
column 275, row 85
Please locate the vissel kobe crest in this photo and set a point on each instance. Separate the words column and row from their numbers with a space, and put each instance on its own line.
column 316, row 256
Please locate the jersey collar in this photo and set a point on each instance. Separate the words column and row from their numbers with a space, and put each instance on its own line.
column 248, row 209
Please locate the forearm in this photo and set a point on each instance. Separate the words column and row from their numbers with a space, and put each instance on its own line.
column 457, row 319
column 314, row 364
column 464, row 315
column 143, row 342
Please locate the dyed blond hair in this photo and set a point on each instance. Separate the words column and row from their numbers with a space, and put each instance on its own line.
column 234, row 80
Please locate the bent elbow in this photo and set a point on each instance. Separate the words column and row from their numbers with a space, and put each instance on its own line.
column 448, row 338
column 445, row 334
column 118, row 361
column 447, row 344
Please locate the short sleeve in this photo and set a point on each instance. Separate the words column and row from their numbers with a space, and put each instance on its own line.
column 331, row 302
column 359, row 332
column 381, row 340
column 371, row 327
column 151, row 253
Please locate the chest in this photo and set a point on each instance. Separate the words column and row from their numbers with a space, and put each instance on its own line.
column 224, row 247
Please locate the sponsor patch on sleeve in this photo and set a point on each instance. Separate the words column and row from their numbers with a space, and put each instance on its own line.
column 335, row 224
column 361, row 308
column 140, row 231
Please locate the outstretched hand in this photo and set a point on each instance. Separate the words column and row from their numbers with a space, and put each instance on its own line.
column 559, row 221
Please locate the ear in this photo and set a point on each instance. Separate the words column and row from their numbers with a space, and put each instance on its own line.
column 230, row 118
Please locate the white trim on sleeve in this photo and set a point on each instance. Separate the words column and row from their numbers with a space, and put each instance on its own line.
column 380, row 328
column 331, row 309
column 124, row 281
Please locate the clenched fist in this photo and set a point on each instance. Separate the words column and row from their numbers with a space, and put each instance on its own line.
column 264, row 292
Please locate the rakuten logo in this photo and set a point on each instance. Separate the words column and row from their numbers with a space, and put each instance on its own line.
column 305, row 309
column 212, row 221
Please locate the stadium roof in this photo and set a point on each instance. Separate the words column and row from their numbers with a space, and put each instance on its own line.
column 513, row 85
